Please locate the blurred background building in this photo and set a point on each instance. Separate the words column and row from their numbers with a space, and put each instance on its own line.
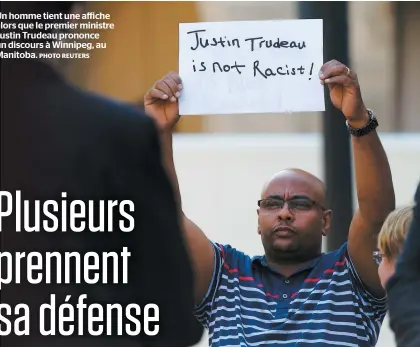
column 223, row 161
column 383, row 41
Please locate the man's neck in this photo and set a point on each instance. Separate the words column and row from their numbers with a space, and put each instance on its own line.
column 287, row 267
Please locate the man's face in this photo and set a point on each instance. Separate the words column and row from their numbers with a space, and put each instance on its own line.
column 293, row 230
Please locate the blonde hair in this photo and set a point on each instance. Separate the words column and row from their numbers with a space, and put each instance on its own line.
column 392, row 235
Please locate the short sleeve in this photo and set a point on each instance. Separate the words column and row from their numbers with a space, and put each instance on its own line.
column 372, row 305
column 227, row 260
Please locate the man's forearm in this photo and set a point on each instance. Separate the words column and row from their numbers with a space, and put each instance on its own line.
column 375, row 191
column 168, row 159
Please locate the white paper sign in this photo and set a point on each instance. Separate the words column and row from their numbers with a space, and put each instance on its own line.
column 251, row 67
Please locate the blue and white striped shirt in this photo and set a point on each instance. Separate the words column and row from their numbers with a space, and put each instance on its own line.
column 322, row 304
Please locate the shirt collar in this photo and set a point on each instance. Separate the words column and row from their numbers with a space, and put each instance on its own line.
column 261, row 260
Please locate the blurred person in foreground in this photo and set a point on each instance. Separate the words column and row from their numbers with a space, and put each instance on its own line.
column 294, row 294
column 391, row 240
column 57, row 138
column 403, row 287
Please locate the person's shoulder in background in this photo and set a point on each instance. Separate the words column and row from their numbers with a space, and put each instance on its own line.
column 94, row 147
column 112, row 120
column 133, row 155
column 404, row 286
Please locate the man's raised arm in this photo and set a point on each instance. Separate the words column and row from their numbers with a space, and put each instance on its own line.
column 375, row 192
column 161, row 103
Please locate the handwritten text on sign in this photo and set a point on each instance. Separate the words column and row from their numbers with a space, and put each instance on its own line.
column 251, row 67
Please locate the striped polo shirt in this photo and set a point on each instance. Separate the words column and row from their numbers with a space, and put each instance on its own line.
column 323, row 304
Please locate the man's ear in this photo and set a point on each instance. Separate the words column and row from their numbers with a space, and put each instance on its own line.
column 258, row 214
column 326, row 222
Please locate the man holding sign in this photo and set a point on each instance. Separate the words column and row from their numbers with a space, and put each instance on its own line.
column 294, row 295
